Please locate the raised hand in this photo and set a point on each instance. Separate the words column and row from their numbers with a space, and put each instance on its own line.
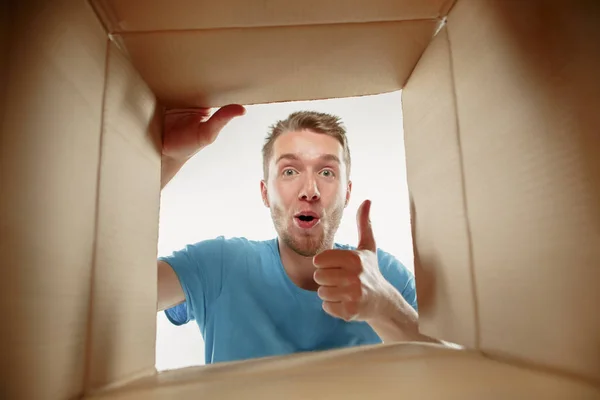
column 187, row 131
column 351, row 284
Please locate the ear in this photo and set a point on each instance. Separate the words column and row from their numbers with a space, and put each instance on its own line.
column 264, row 193
column 348, row 192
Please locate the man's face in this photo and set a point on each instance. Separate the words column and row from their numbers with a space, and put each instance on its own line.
column 306, row 190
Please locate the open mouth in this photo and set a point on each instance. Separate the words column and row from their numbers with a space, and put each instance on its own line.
column 306, row 220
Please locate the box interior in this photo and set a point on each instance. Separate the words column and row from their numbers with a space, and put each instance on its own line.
column 501, row 129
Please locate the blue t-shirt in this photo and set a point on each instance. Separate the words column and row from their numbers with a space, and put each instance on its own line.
column 247, row 307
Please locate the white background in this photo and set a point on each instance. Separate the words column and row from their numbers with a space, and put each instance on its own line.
column 218, row 193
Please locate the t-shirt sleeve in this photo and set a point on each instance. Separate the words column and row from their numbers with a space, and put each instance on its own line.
column 199, row 268
column 399, row 276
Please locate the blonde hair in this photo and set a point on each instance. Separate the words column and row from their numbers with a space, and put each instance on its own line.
column 313, row 121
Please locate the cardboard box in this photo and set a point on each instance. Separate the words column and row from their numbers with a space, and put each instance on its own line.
column 501, row 103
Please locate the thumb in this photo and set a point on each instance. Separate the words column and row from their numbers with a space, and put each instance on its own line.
column 222, row 117
column 366, row 240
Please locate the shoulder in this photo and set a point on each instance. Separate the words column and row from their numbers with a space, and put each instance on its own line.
column 388, row 260
column 211, row 255
column 399, row 276
column 228, row 245
column 393, row 269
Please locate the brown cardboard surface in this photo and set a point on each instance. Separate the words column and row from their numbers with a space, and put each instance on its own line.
column 217, row 67
column 5, row 28
column 157, row 15
column 49, row 147
column 528, row 104
column 413, row 370
column 501, row 123
column 435, row 178
column 124, row 292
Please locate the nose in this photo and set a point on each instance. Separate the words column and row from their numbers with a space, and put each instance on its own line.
column 310, row 191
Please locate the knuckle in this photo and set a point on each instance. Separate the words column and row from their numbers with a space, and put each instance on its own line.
column 355, row 257
column 318, row 276
column 354, row 281
column 322, row 292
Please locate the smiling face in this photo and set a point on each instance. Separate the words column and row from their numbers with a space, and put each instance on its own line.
column 306, row 189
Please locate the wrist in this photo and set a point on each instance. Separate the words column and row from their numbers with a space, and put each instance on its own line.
column 394, row 314
column 169, row 168
column 389, row 303
column 174, row 160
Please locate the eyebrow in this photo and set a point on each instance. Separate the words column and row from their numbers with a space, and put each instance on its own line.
column 293, row 157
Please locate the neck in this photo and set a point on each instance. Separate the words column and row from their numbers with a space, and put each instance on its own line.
column 300, row 269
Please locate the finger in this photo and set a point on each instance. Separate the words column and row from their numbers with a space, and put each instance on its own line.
column 339, row 310
column 337, row 293
column 366, row 240
column 338, row 258
column 222, row 117
column 197, row 115
column 333, row 293
column 179, row 111
column 334, row 277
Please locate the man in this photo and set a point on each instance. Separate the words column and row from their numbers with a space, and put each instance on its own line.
column 300, row 291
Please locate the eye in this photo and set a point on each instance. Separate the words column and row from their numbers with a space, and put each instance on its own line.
column 327, row 173
column 288, row 172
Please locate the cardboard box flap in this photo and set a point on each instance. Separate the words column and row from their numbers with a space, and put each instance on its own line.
column 501, row 120
column 443, row 265
column 123, row 310
column 210, row 54
column 52, row 88
column 262, row 65
column 528, row 94
column 157, row 15
column 378, row 372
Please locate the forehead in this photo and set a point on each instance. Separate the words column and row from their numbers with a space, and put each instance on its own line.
column 307, row 144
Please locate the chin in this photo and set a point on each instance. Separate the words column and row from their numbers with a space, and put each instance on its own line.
column 306, row 245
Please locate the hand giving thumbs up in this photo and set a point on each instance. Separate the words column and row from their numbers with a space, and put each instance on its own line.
column 351, row 284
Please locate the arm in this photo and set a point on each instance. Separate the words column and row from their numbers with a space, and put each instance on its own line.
column 190, row 279
column 186, row 132
column 170, row 292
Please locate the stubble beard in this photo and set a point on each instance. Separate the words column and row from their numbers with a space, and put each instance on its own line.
column 307, row 245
